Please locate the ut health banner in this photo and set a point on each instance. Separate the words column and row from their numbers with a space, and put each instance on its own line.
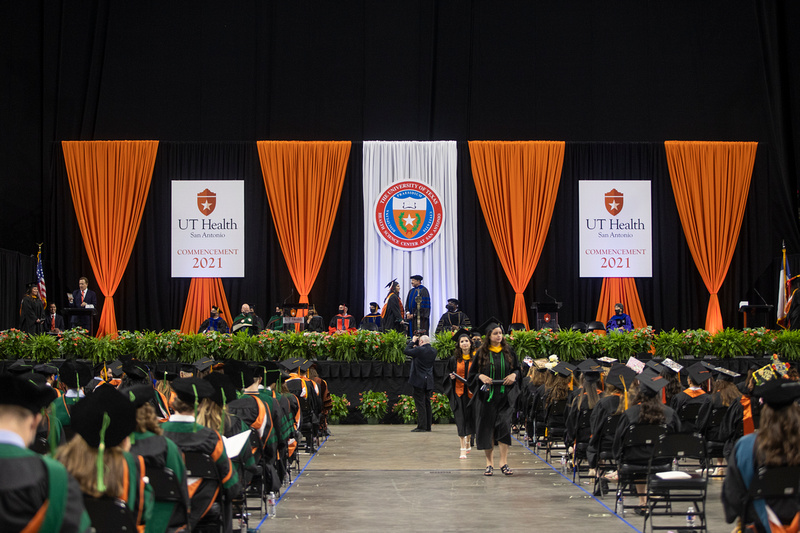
column 616, row 236
column 207, row 229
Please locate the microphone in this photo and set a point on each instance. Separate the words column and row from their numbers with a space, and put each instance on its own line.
column 288, row 297
column 548, row 295
column 759, row 295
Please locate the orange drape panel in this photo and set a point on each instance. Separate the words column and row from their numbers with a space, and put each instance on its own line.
column 304, row 184
column 517, row 184
column 711, row 181
column 203, row 293
column 620, row 290
column 109, row 182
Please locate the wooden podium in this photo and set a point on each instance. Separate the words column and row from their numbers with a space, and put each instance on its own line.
column 756, row 316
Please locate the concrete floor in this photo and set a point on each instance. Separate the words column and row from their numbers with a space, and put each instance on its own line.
column 385, row 478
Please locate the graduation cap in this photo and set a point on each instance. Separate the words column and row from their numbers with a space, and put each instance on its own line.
column 699, row 373
column 589, row 365
column 203, row 364
column 292, row 364
column 45, row 369
column 539, row 364
column 606, row 361
column 391, row 283
column 654, row 365
column 487, row 327
column 672, row 365
column 726, row 375
column 224, row 389
column 778, row 393
column 136, row 370
column 652, row 382
column 105, row 416
column 454, row 300
column 139, row 394
column 75, row 374
column 635, row 364
column 241, row 374
column 37, row 379
column 31, row 284
column 620, row 376
column 115, row 367
column 23, row 393
column 191, row 390
column 21, row 366
column 416, row 277
column 564, row 369
column 460, row 333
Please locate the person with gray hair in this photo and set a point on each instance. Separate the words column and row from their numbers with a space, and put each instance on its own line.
column 420, row 378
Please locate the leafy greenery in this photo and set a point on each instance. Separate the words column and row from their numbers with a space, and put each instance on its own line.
column 669, row 344
column 374, row 404
column 340, row 407
column 444, row 344
column 760, row 341
column 41, row 347
column 728, row 343
column 405, row 408
column 391, row 351
column 570, row 345
column 696, row 342
column 619, row 345
column 345, row 347
column 787, row 344
column 243, row 347
column 440, row 407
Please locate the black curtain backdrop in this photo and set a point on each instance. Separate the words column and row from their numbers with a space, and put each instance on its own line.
column 16, row 270
column 209, row 79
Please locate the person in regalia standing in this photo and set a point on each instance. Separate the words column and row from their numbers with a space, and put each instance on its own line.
column 421, row 310
column 493, row 378
column 392, row 312
column 455, row 387
column 31, row 311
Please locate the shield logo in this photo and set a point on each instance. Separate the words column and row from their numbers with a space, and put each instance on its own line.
column 409, row 215
column 206, row 202
column 613, row 201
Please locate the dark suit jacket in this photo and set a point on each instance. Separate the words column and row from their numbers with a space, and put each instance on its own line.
column 90, row 299
column 48, row 322
column 422, row 358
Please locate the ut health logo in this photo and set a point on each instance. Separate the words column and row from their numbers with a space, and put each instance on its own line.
column 206, row 202
column 408, row 215
column 613, row 202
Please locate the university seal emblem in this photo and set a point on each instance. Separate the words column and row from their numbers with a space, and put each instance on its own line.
column 206, row 202
column 613, row 201
column 408, row 215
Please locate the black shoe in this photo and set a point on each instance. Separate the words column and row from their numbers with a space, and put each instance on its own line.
column 416, row 430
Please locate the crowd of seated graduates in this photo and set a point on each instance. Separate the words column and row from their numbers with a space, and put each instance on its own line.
column 152, row 446
column 572, row 405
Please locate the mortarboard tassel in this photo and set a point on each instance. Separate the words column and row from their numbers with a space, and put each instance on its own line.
column 101, row 486
column 222, row 418
column 196, row 402
column 625, row 394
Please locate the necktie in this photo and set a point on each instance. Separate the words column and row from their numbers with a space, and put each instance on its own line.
column 82, row 293
column 52, row 321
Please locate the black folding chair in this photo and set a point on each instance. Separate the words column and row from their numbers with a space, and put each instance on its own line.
column 777, row 483
column 667, row 488
column 639, row 441
column 109, row 515
column 605, row 456
column 168, row 488
column 555, row 428
column 580, row 468
column 202, row 465
column 715, row 446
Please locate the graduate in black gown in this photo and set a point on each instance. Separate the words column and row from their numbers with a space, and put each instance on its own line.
column 458, row 366
column 493, row 380
column 31, row 311
column 392, row 313
column 29, row 480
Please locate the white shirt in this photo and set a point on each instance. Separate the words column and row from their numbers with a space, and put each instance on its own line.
column 9, row 437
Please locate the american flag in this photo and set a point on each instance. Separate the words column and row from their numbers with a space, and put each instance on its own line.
column 40, row 278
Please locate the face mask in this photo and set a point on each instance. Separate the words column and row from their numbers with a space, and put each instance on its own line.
column 618, row 311
column 451, row 308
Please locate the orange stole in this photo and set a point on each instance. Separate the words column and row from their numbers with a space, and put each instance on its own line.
column 462, row 369
column 747, row 416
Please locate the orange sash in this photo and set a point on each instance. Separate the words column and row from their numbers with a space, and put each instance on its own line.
column 462, row 369
column 694, row 393
column 747, row 416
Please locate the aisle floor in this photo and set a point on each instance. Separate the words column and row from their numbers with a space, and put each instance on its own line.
column 386, row 478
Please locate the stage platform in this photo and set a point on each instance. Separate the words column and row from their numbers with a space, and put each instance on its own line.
column 386, row 478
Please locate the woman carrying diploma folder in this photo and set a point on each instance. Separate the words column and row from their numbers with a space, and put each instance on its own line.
column 493, row 378
column 455, row 387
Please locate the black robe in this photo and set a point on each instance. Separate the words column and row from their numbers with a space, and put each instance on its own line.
column 392, row 315
column 494, row 407
column 30, row 310
column 462, row 412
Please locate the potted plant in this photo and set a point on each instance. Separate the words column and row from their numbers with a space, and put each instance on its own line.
column 669, row 344
column 444, row 344
column 440, row 408
column 374, row 405
column 570, row 345
column 41, row 347
column 728, row 343
column 340, row 408
column 393, row 344
column 405, row 409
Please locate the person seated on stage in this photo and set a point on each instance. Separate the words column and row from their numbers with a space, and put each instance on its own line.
column 276, row 321
column 54, row 323
column 453, row 319
column 775, row 445
column 214, row 323
column 698, row 375
column 35, row 490
column 342, row 321
column 31, row 311
column 159, row 453
column 83, row 298
column 372, row 320
column 193, row 437
column 245, row 321
column 314, row 322
column 98, row 456
column 620, row 321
